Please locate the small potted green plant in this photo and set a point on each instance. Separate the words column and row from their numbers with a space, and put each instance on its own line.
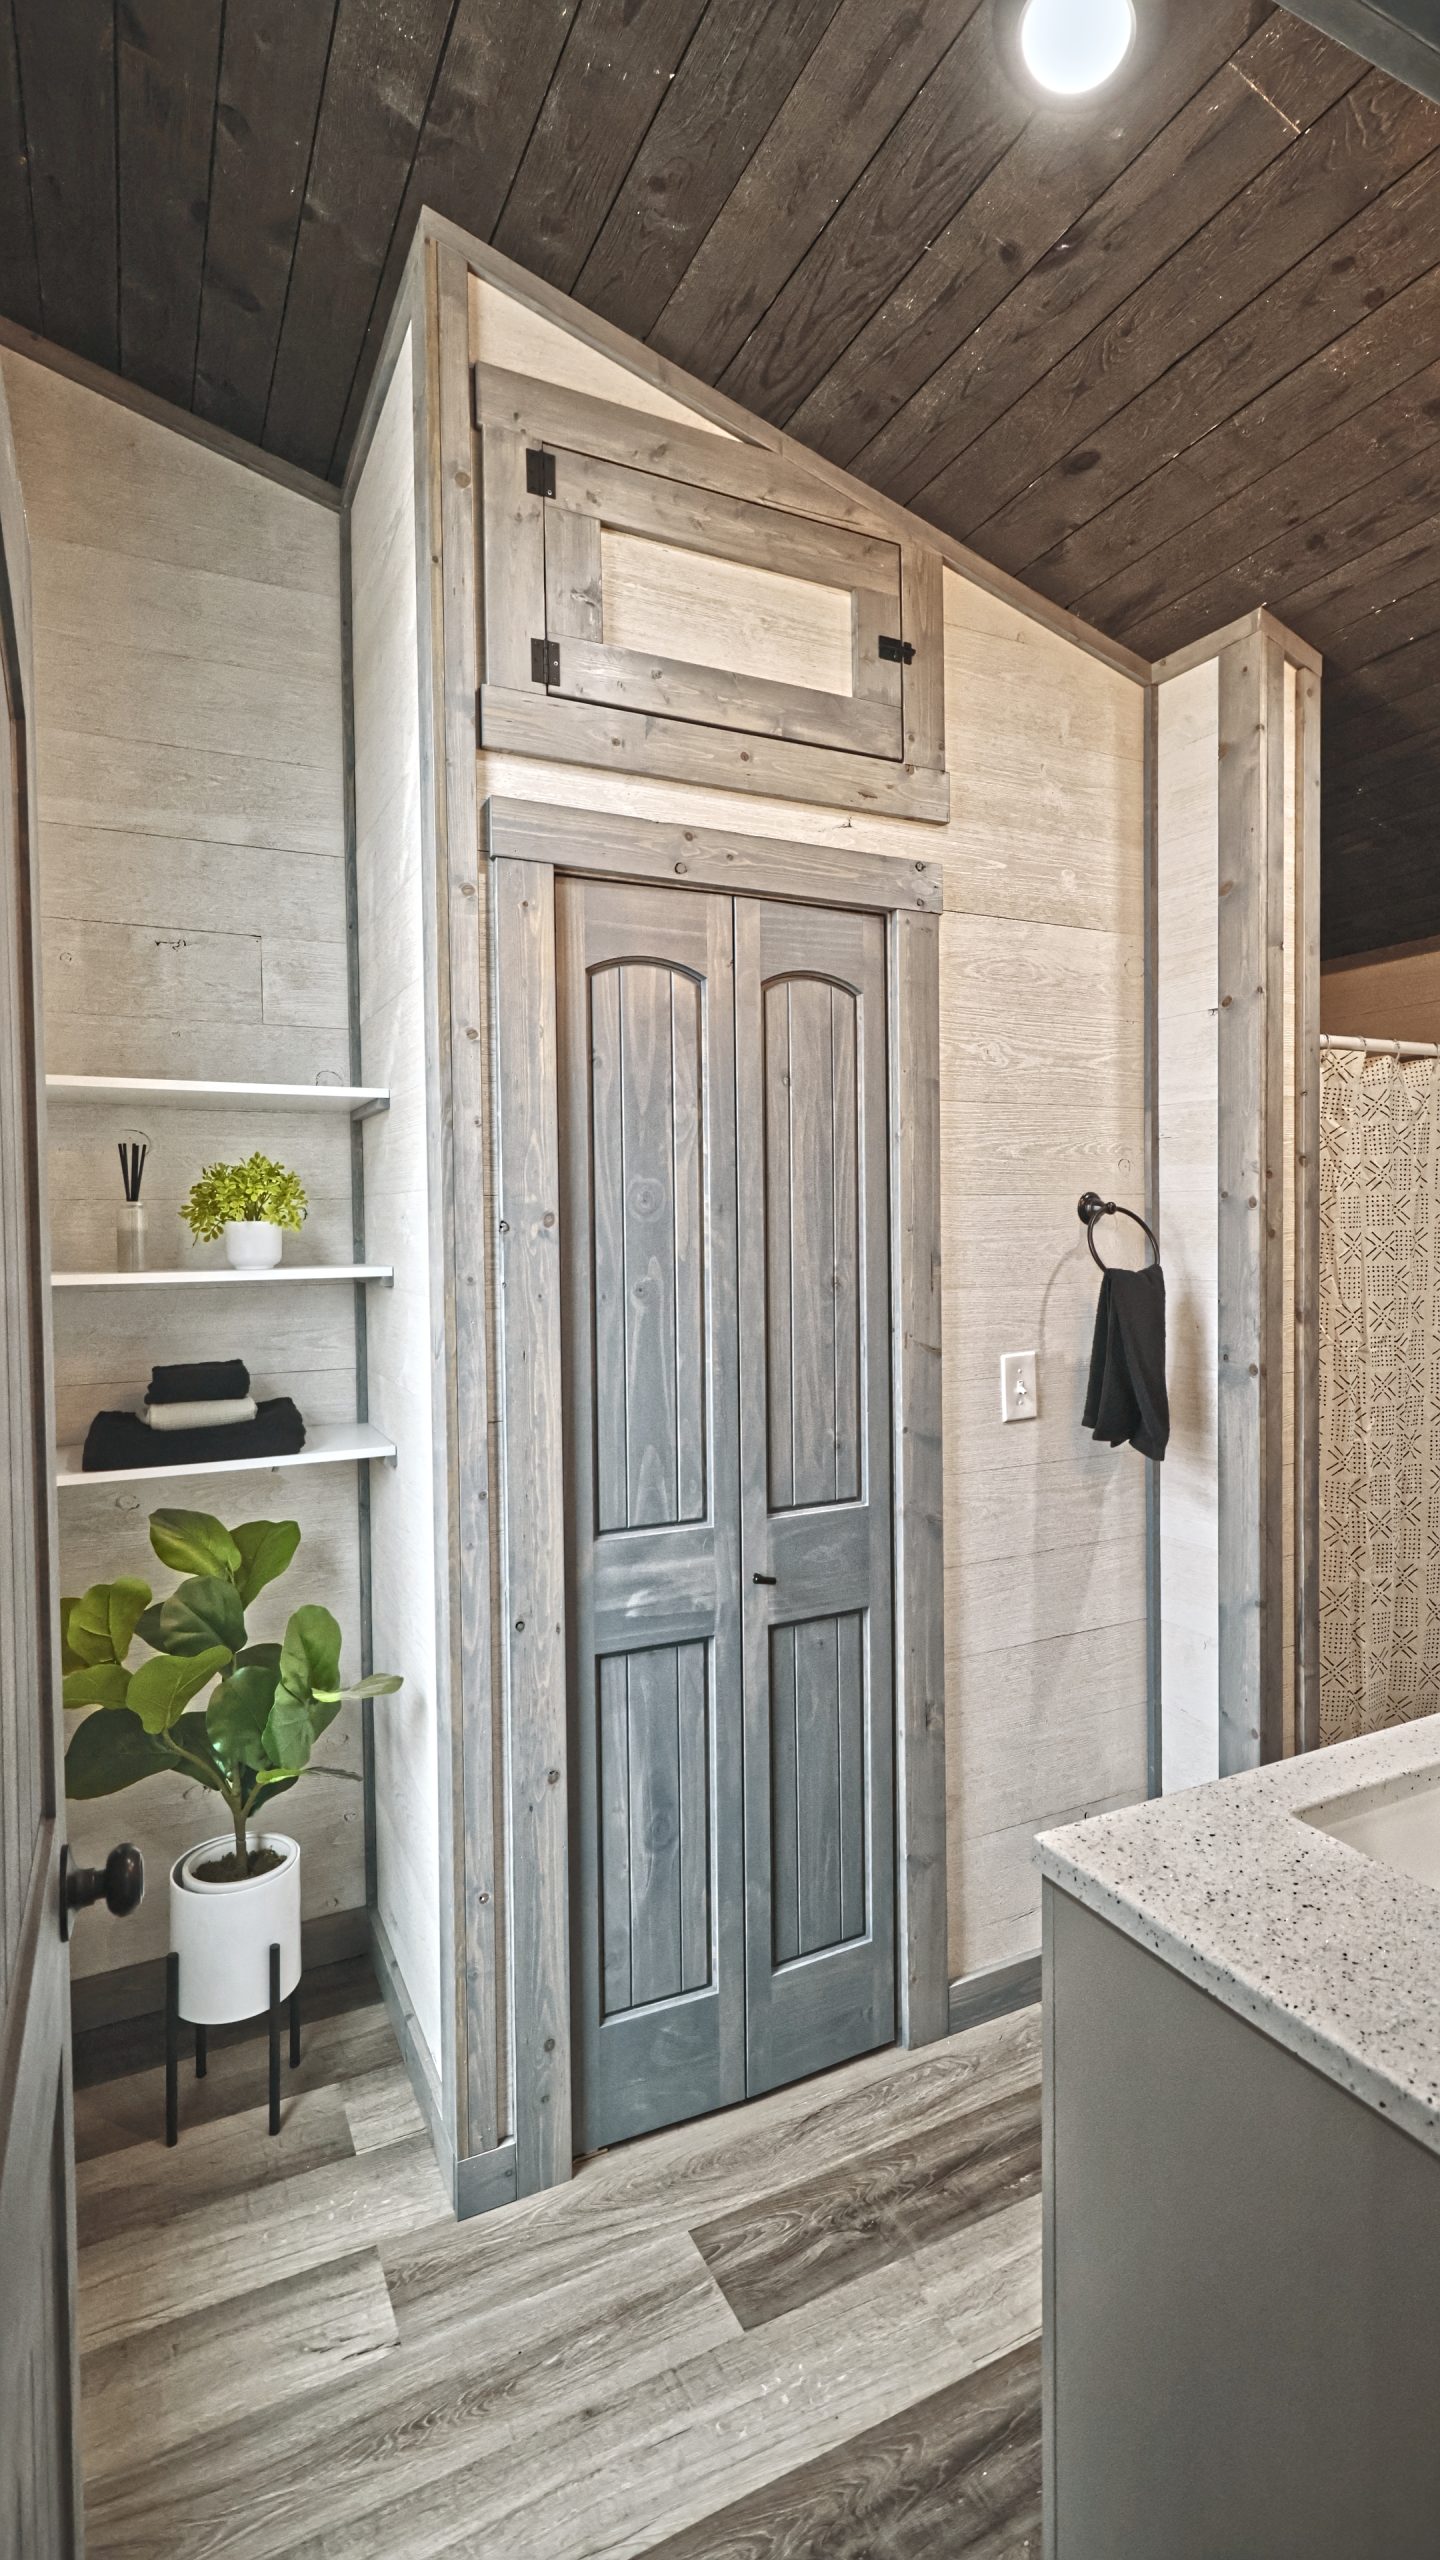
column 250, row 1205
column 235, row 1895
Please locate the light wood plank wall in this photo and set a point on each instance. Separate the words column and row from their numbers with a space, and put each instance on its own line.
column 393, row 1017
column 1042, row 1006
column 192, row 860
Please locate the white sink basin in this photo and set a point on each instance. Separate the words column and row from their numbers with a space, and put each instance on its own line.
column 1397, row 1822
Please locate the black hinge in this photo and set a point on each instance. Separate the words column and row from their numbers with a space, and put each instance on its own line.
column 545, row 662
column 901, row 651
column 539, row 472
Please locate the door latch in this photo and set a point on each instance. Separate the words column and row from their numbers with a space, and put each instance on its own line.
column 771, row 1578
column 900, row 652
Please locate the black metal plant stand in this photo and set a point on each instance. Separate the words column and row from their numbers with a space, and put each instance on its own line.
column 174, row 2022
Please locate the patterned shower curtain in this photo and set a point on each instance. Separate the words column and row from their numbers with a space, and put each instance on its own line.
column 1379, row 1391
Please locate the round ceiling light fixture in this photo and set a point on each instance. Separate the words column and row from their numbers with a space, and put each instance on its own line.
column 1071, row 48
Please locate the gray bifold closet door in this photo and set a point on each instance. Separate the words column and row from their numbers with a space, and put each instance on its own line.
column 726, row 1333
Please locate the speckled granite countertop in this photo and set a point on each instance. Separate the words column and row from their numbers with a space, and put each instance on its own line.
column 1332, row 1953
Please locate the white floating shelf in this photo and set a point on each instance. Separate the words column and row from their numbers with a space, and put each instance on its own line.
column 329, row 1444
column 166, row 1092
column 220, row 1277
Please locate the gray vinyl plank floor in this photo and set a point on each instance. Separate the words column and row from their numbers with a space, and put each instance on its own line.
column 807, row 2326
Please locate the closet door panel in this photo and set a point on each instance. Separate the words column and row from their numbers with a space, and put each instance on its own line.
column 647, row 1154
column 813, row 1313
column 815, row 1486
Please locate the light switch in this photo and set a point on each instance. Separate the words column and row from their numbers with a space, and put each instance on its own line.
column 1018, row 1399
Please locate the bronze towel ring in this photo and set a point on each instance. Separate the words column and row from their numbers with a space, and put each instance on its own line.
column 1091, row 1207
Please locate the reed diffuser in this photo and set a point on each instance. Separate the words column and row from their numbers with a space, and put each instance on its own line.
column 130, row 1226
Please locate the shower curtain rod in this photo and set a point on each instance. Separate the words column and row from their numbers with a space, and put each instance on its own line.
column 1381, row 1048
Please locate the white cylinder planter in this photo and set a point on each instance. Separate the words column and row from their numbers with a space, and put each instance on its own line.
column 252, row 1244
column 223, row 1933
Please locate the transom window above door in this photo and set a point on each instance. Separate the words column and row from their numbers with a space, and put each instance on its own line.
column 680, row 603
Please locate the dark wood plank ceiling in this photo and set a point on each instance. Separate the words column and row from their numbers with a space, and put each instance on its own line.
column 1163, row 359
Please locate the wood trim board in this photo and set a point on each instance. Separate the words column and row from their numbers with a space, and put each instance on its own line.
column 529, row 1410
column 1249, row 1166
column 536, row 724
column 602, row 840
column 1306, row 1454
column 470, row 1926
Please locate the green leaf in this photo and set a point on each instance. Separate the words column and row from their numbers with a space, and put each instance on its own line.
column 70, row 1660
column 266, row 1548
column 235, row 1716
column 129, row 1599
column 97, row 1684
column 269, row 1654
column 110, row 1751
column 272, row 1778
column 193, row 1542
column 290, row 1733
column 163, row 1687
column 263, row 1795
column 379, row 1684
column 201, row 1613
column 310, row 1654
column 147, row 1626
column 191, row 1736
column 102, row 1622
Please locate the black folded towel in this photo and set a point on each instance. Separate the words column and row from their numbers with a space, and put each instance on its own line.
column 1126, row 1398
column 117, row 1440
column 198, row 1382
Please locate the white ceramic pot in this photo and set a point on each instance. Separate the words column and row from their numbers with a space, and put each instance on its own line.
column 223, row 1933
column 252, row 1244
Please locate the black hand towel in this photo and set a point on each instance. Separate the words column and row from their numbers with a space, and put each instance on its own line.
column 1126, row 1398
column 198, row 1382
column 123, row 1440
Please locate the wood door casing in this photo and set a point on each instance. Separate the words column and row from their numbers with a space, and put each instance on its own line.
column 647, row 1153
column 725, row 1291
column 817, row 1533
column 39, row 2514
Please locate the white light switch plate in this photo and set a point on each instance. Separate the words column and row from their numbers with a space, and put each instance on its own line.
column 1019, row 1400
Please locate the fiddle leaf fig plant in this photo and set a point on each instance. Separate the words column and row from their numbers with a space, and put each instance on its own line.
column 259, row 1189
column 268, row 1703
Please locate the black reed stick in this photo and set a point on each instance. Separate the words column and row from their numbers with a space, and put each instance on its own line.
column 132, row 1167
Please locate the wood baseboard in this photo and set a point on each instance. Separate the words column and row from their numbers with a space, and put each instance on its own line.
column 993, row 1992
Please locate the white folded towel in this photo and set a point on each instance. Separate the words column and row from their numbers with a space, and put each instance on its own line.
column 205, row 1416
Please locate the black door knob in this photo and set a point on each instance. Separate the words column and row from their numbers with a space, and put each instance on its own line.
column 765, row 1577
column 119, row 1884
